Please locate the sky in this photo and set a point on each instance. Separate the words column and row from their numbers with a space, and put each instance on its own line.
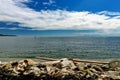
column 60, row 17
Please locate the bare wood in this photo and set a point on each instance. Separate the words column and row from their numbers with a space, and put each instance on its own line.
column 90, row 61
column 75, row 60
column 47, row 59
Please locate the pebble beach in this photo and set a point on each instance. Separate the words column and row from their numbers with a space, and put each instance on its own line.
column 61, row 69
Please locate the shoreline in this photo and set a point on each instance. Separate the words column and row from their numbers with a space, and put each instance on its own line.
column 6, row 59
column 61, row 69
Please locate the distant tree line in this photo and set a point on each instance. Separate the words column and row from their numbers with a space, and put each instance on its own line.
column 6, row 35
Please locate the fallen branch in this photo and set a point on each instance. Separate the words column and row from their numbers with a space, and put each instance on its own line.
column 89, row 61
column 75, row 60
column 47, row 59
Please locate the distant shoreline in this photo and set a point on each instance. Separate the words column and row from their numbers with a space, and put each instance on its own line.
column 6, row 35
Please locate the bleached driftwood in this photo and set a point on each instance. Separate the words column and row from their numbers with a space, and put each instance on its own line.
column 75, row 60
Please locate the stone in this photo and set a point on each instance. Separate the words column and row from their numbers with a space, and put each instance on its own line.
column 63, row 69
column 114, row 64
column 98, row 68
column 67, row 63
column 29, row 62
column 113, row 74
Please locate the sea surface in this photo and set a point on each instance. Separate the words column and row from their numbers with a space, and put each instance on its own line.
column 93, row 48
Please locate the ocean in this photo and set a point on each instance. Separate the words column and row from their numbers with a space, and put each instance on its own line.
column 92, row 48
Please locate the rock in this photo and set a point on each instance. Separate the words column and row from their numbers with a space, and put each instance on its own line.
column 114, row 64
column 98, row 68
column 14, row 64
column 105, row 67
column 113, row 74
column 29, row 62
column 35, row 70
column 7, row 66
column 67, row 63
column 80, row 66
column 58, row 65
column 63, row 69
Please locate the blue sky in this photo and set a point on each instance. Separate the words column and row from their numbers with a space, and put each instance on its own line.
column 60, row 17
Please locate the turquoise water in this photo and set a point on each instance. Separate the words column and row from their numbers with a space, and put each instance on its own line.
column 94, row 48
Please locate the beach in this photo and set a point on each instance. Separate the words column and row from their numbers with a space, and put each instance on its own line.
column 62, row 58
column 59, row 69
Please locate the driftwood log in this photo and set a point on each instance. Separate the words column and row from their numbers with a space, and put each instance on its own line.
column 75, row 60
column 112, row 64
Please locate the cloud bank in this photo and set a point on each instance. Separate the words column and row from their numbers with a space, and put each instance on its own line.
column 17, row 11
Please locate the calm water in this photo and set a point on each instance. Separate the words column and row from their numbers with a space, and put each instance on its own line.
column 95, row 48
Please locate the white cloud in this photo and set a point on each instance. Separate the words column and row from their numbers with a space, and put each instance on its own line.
column 16, row 11
column 50, row 2
column 109, row 13
column 14, row 28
